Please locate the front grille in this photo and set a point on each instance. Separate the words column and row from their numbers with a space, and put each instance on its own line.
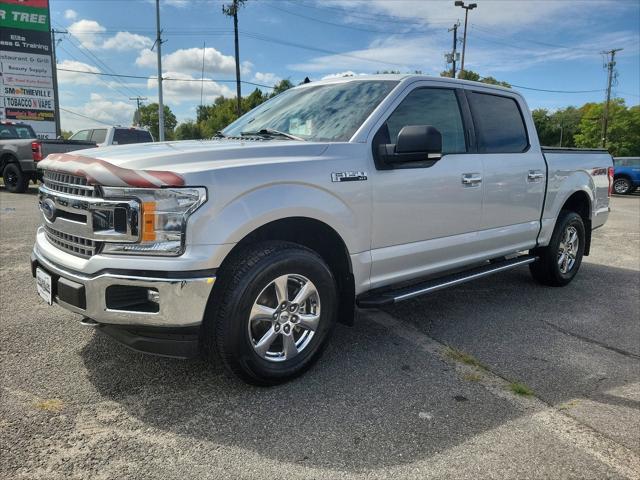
column 77, row 245
column 69, row 184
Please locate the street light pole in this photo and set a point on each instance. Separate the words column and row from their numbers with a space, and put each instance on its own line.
column 471, row 6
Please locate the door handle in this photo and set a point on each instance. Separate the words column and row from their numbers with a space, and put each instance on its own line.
column 535, row 175
column 471, row 179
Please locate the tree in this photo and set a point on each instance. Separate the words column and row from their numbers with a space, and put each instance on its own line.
column 623, row 137
column 66, row 134
column 149, row 119
column 475, row 77
column 189, row 130
column 281, row 86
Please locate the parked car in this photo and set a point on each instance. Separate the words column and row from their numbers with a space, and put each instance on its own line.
column 89, row 138
column 355, row 191
column 626, row 176
column 105, row 137
column 16, row 164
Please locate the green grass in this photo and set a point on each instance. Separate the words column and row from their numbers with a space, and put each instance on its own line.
column 521, row 389
column 462, row 357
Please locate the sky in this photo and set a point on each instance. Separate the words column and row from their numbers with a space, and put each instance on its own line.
column 544, row 45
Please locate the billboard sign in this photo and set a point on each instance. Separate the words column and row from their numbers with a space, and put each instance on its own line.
column 26, row 65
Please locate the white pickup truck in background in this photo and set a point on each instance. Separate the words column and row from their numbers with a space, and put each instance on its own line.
column 355, row 191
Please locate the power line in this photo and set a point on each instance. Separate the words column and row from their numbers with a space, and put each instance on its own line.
column 555, row 91
column 164, row 79
column 84, row 116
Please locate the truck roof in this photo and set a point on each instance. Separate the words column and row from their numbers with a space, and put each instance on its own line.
column 408, row 78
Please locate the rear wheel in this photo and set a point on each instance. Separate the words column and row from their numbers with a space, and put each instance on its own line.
column 14, row 180
column 560, row 261
column 273, row 312
column 622, row 186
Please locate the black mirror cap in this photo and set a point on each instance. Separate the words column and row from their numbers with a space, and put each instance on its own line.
column 419, row 139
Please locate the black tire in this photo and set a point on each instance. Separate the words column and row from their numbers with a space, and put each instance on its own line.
column 622, row 186
column 240, row 282
column 547, row 270
column 14, row 180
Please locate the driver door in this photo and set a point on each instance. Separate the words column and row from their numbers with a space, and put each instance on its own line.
column 426, row 215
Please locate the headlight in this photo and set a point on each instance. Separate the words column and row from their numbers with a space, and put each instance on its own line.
column 163, row 219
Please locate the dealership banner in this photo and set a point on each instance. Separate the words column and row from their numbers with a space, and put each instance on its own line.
column 26, row 65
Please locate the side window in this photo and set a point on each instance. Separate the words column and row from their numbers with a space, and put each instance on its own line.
column 99, row 135
column 144, row 136
column 82, row 135
column 124, row 136
column 499, row 124
column 634, row 162
column 431, row 106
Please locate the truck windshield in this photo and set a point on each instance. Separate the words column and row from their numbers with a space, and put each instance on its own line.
column 330, row 112
column 16, row 131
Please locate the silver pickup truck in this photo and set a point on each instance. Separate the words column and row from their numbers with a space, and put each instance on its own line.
column 351, row 192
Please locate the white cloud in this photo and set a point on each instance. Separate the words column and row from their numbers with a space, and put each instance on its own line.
column 190, row 60
column 127, row 41
column 102, row 110
column 177, row 92
column 266, row 78
column 87, row 32
column 90, row 34
column 74, row 78
column 348, row 73
column 70, row 14
column 404, row 54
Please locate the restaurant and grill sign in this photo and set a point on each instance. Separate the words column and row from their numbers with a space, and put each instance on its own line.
column 26, row 65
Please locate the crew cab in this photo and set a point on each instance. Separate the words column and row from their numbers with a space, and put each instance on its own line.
column 362, row 191
column 106, row 136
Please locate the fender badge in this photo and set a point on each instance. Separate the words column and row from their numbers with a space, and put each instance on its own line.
column 348, row 176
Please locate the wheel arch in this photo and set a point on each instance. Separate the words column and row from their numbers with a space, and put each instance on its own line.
column 6, row 159
column 319, row 237
column 580, row 203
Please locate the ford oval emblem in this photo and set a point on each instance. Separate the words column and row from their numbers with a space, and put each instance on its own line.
column 49, row 209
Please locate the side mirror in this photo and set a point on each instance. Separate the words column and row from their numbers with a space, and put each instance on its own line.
column 415, row 143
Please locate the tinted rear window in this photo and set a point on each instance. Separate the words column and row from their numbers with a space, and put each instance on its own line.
column 499, row 124
column 16, row 131
column 123, row 136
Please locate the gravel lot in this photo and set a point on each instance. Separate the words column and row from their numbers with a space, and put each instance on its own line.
column 421, row 390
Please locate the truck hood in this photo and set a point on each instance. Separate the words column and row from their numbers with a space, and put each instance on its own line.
column 167, row 163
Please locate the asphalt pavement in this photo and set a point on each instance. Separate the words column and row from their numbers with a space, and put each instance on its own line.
column 501, row 378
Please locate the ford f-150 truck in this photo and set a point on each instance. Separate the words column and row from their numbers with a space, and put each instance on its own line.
column 349, row 192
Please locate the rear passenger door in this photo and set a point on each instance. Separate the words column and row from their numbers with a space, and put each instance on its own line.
column 514, row 171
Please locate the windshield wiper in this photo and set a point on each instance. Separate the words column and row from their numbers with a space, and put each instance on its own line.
column 219, row 134
column 271, row 132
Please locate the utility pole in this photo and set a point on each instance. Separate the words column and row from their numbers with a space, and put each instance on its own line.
column 54, row 71
column 231, row 10
column 138, row 101
column 455, row 42
column 610, row 66
column 158, row 44
column 471, row 6
column 204, row 50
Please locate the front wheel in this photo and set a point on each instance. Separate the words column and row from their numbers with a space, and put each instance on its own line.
column 622, row 186
column 560, row 261
column 272, row 312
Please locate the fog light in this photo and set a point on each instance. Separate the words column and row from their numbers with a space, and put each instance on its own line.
column 153, row 295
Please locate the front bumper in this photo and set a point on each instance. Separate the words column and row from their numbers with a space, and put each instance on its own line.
column 180, row 298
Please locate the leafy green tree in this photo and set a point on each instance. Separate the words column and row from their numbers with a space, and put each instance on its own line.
column 189, row 130
column 623, row 135
column 281, row 87
column 66, row 134
column 149, row 118
column 475, row 77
